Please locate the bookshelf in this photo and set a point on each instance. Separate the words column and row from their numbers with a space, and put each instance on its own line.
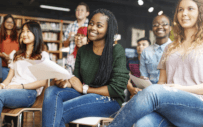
column 52, row 32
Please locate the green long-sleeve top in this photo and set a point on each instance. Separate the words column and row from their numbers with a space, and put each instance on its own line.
column 87, row 66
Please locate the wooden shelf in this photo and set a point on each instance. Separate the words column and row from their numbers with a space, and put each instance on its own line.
column 57, row 41
column 39, row 19
column 54, row 51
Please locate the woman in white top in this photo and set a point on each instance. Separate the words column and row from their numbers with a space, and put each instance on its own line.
column 180, row 99
column 21, row 88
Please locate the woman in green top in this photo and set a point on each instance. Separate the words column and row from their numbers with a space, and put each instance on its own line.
column 100, row 77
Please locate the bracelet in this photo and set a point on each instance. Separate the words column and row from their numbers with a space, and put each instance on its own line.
column 22, row 85
column 4, row 86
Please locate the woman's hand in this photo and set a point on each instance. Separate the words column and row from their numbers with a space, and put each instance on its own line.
column 134, row 91
column 62, row 83
column 14, row 87
column 76, row 84
column 145, row 78
column 176, row 86
column 1, row 87
column 6, row 58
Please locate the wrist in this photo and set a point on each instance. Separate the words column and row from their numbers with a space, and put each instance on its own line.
column 3, row 86
column 85, row 88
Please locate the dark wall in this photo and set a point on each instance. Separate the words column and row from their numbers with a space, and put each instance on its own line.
column 128, row 17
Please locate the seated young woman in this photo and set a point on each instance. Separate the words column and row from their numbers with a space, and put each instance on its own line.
column 20, row 81
column 179, row 95
column 97, row 89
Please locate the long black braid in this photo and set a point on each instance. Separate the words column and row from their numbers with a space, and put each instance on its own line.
column 106, row 59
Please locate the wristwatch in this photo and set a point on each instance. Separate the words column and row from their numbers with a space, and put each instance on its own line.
column 85, row 88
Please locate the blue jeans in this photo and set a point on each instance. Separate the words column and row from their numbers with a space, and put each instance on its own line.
column 16, row 98
column 63, row 105
column 181, row 108
column 5, row 71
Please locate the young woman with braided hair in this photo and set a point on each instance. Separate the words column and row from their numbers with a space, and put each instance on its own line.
column 101, row 67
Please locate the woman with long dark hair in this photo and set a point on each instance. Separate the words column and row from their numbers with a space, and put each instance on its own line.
column 8, row 42
column 97, row 89
column 180, row 97
column 20, row 81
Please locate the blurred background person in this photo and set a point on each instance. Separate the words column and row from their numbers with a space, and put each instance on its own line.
column 151, row 56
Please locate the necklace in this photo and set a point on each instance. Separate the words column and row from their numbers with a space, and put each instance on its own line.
column 27, row 56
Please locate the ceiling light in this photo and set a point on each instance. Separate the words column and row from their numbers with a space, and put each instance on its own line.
column 160, row 12
column 55, row 8
column 151, row 9
column 140, row 2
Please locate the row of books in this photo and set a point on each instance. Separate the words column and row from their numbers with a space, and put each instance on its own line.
column 50, row 36
column 52, row 46
column 50, row 26
column 65, row 27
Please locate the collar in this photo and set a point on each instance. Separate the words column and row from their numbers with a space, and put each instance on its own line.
column 76, row 22
column 156, row 46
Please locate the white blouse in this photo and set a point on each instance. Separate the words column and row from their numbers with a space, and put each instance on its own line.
column 22, row 74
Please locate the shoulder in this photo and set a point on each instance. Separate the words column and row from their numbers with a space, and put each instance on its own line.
column 71, row 24
column 118, row 48
column 149, row 49
column 45, row 55
column 167, row 46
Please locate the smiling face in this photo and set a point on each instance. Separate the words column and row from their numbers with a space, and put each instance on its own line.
column 187, row 14
column 9, row 23
column 97, row 27
column 80, row 40
column 161, row 26
column 27, row 35
column 81, row 12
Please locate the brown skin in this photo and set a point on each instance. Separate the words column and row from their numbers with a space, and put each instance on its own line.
column 161, row 32
column 97, row 30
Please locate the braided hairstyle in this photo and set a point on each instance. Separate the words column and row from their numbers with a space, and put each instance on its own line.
column 106, row 59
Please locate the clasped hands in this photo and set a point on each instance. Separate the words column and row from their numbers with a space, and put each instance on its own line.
column 74, row 82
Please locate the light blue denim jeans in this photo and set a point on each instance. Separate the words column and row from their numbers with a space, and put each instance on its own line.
column 63, row 105
column 5, row 71
column 16, row 98
column 181, row 108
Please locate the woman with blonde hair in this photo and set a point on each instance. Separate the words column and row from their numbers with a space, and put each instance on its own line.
column 180, row 97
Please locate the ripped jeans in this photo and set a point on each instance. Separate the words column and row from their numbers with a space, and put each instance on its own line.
column 181, row 108
column 63, row 105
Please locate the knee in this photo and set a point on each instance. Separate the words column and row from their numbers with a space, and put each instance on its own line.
column 50, row 92
column 153, row 90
